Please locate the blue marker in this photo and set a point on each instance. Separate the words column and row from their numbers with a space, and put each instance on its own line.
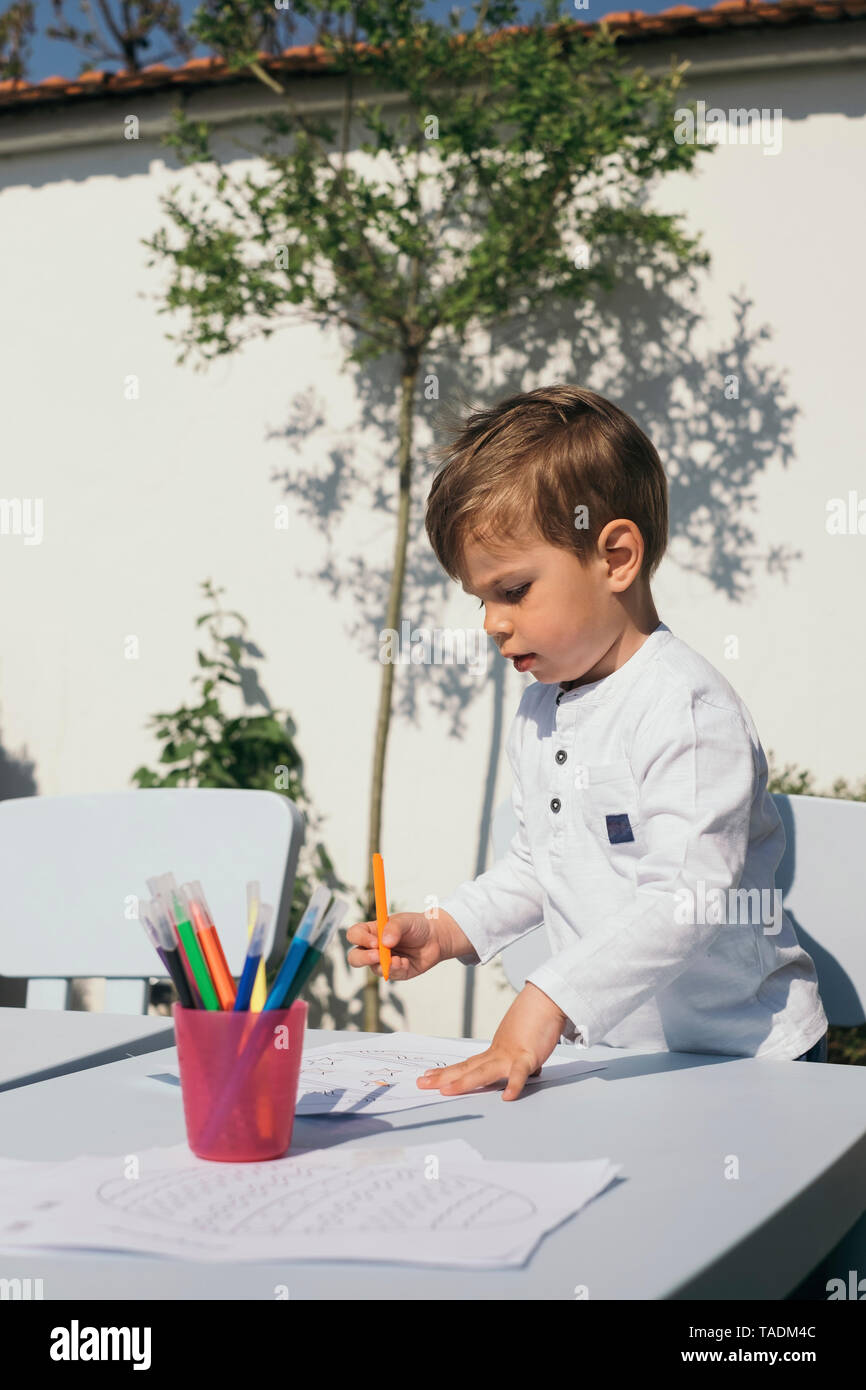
column 318, row 946
column 255, row 950
column 299, row 947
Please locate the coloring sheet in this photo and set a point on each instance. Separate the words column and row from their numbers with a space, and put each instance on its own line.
column 438, row 1203
column 375, row 1076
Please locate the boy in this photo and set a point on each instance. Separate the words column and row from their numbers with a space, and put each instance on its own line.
column 647, row 843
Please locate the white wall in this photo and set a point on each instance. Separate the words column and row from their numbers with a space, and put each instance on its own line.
column 143, row 499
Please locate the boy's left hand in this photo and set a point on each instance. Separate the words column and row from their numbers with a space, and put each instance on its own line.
column 521, row 1045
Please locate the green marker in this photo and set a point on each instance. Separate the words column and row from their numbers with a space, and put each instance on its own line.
column 323, row 938
column 196, row 960
column 302, row 975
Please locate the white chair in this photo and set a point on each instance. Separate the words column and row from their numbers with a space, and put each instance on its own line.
column 73, row 870
column 822, row 878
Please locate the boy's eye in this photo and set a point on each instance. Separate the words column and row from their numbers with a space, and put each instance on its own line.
column 512, row 595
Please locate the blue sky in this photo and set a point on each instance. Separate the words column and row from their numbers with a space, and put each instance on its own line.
column 50, row 56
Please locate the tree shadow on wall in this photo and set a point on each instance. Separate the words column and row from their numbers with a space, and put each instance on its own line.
column 17, row 774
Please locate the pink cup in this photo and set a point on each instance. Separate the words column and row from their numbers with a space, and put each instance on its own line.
column 239, row 1078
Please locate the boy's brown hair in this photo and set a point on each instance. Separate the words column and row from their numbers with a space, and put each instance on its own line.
column 526, row 463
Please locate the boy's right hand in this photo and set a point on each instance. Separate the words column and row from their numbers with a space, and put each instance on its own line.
column 416, row 942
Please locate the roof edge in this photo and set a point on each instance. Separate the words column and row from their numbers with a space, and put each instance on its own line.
column 630, row 26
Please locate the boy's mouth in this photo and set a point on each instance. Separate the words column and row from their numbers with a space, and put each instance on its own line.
column 522, row 662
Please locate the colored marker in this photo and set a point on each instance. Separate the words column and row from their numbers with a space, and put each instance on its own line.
column 300, row 945
column 193, row 952
column 153, row 938
column 253, row 959
column 381, row 912
column 169, row 952
column 260, row 988
column 318, row 946
column 209, row 944
column 161, row 889
column 202, row 901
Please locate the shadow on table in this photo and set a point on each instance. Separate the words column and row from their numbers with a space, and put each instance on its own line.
column 118, row 1053
column 327, row 1130
column 643, row 1064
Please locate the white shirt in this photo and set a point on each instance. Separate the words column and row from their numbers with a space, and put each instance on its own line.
column 642, row 806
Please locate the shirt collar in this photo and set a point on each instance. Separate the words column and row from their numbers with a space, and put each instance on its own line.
column 619, row 678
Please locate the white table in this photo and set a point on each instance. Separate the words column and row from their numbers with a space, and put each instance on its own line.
column 36, row 1044
column 672, row 1226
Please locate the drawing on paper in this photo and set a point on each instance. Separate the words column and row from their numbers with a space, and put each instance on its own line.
column 397, row 1064
column 303, row 1199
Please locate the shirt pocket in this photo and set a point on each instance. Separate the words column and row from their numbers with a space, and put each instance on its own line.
column 610, row 808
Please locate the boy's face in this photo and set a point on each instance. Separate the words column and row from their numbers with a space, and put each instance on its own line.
column 548, row 612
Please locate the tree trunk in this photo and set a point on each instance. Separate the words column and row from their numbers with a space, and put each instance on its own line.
column 383, row 721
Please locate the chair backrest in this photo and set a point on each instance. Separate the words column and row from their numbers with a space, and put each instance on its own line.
column 73, row 869
column 822, row 879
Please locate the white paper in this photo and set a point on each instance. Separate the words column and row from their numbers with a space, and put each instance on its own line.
column 377, row 1076
column 436, row 1203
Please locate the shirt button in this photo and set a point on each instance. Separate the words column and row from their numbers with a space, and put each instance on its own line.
column 555, row 804
column 561, row 755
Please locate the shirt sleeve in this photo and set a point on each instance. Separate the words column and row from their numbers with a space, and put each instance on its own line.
column 507, row 901
column 694, row 768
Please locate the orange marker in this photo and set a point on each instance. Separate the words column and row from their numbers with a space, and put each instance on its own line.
column 211, row 949
column 198, row 894
column 381, row 912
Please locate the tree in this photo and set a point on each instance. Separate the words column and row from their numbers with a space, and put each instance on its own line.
column 17, row 27
column 510, row 175
column 125, row 34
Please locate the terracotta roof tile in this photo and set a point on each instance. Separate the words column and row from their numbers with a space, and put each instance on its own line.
column 631, row 25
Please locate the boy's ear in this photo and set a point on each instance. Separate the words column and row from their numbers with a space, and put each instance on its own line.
column 621, row 545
